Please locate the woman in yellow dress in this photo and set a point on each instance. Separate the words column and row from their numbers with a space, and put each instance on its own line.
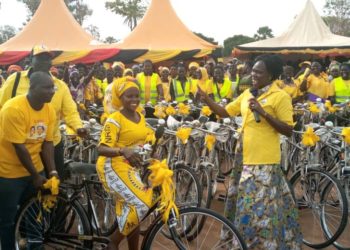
column 118, row 164
column 203, row 82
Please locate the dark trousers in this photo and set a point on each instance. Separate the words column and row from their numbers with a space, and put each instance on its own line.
column 13, row 193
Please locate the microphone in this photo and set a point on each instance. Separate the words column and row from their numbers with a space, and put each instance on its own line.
column 254, row 92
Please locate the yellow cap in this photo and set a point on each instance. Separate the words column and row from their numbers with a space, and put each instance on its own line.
column 40, row 49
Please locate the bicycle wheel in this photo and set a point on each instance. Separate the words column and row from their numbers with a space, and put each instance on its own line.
column 343, row 241
column 104, row 204
column 317, row 208
column 188, row 189
column 209, row 237
column 205, row 180
column 37, row 228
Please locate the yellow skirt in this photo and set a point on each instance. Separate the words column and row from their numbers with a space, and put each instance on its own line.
column 133, row 198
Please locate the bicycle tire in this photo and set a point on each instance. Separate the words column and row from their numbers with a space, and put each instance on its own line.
column 29, row 212
column 204, row 240
column 186, row 199
column 342, row 242
column 205, row 179
column 304, row 206
column 104, row 204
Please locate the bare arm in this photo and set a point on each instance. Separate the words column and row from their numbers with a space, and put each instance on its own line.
column 281, row 127
column 216, row 108
column 24, row 157
column 47, row 156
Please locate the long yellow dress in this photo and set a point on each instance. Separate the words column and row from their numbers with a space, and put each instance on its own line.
column 133, row 198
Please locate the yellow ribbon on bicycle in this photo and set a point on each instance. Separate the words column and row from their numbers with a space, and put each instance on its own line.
column 346, row 135
column 184, row 109
column 206, row 111
column 161, row 176
column 210, row 141
column 309, row 137
column 49, row 201
column 183, row 134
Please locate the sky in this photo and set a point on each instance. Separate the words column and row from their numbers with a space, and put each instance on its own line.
column 219, row 19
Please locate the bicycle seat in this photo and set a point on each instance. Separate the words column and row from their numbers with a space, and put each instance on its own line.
column 81, row 168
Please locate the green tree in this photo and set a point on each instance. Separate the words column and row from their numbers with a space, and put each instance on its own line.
column 94, row 31
column 110, row 39
column 79, row 10
column 206, row 38
column 6, row 32
column 233, row 41
column 131, row 10
column 338, row 16
column 263, row 33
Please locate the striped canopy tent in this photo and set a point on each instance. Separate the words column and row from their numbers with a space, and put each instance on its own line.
column 54, row 26
column 161, row 36
column 308, row 35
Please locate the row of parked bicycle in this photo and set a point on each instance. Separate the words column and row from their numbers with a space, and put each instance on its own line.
column 201, row 152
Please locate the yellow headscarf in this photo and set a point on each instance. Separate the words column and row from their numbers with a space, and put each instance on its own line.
column 202, row 83
column 121, row 87
column 120, row 64
column 193, row 64
column 128, row 70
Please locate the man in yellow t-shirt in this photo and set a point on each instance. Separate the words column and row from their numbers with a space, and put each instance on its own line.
column 151, row 88
column 62, row 101
column 26, row 132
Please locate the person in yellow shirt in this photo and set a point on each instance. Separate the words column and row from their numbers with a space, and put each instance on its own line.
column 203, row 82
column 257, row 206
column 193, row 67
column 164, row 76
column 339, row 89
column 151, row 88
column 289, row 85
column 26, row 146
column 118, row 164
column 62, row 101
column 315, row 84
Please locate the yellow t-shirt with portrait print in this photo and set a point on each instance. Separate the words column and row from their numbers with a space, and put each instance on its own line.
column 21, row 124
column 261, row 142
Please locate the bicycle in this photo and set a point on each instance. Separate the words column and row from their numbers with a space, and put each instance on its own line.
column 318, row 193
column 81, row 229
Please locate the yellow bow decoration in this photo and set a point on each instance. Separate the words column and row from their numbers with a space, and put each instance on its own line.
column 329, row 107
column 161, row 176
column 313, row 108
column 346, row 135
column 184, row 109
column 150, row 138
column 49, row 201
column 170, row 110
column 183, row 134
column 82, row 106
column 309, row 137
column 210, row 141
column 206, row 111
column 159, row 112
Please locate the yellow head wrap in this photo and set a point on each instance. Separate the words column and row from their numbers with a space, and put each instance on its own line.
column 128, row 70
column 119, row 87
column 124, row 86
column 120, row 64
column 164, row 69
column 193, row 64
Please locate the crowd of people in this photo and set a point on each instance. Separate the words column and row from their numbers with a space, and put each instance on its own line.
column 35, row 99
